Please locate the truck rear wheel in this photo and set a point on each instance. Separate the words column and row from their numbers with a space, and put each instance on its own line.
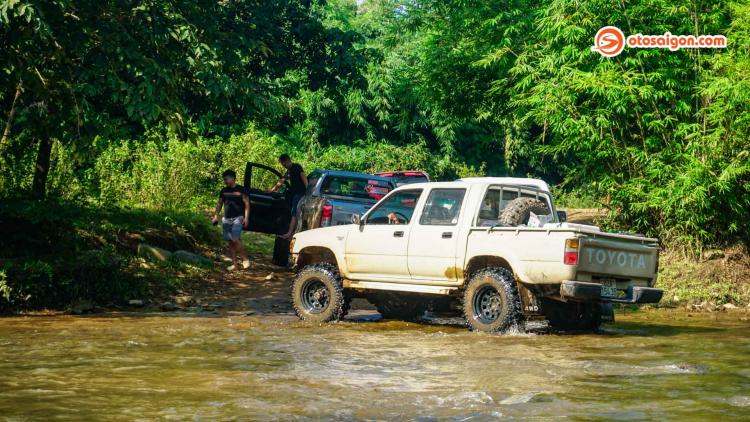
column 518, row 210
column 402, row 307
column 318, row 294
column 491, row 301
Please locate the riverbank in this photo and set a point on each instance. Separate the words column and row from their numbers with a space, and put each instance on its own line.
column 81, row 259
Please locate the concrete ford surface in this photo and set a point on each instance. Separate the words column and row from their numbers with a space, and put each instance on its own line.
column 478, row 245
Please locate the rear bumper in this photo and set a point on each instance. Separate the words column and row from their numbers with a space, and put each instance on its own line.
column 592, row 292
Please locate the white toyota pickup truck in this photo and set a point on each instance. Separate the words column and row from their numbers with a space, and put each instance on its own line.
column 496, row 248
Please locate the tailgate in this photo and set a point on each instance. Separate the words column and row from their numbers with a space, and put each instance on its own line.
column 344, row 208
column 617, row 255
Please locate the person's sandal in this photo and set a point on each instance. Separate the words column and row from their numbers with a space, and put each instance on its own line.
column 231, row 268
column 246, row 264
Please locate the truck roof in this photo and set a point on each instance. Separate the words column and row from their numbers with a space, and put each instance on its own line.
column 515, row 181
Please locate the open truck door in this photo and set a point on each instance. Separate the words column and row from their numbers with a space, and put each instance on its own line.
column 269, row 212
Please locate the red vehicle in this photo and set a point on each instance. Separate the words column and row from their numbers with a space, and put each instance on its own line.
column 405, row 177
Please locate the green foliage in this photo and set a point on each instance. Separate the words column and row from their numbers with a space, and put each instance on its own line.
column 660, row 136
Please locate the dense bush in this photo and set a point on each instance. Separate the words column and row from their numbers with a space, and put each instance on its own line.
column 453, row 87
column 96, row 276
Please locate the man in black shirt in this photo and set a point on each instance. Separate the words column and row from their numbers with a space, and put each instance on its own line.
column 296, row 177
column 236, row 210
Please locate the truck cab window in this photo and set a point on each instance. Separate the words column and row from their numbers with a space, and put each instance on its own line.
column 493, row 203
column 443, row 207
column 398, row 209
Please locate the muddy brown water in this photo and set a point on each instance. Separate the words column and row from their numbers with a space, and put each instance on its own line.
column 647, row 366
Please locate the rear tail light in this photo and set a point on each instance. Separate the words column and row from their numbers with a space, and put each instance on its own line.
column 571, row 252
column 326, row 215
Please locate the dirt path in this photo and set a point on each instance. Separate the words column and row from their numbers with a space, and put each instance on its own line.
column 586, row 215
column 261, row 289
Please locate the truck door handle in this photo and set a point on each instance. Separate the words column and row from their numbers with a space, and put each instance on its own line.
column 398, row 234
column 447, row 235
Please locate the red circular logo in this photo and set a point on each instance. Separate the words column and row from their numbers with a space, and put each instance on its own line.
column 609, row 41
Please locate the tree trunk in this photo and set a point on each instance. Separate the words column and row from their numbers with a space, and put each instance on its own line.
column 41, row 170
column 10, row 115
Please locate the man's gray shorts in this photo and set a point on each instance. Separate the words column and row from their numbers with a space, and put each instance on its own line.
column 232, row 227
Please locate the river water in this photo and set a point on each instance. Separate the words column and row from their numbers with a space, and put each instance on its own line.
column 654, row 365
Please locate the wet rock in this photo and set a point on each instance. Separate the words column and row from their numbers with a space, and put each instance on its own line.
column 729, row 306
column 183, row 300
column 167, row 306
column 191, row 258
column 693, row 368
column 135, row 302
column 713, row 254
column 518, row 399
column 271, row 276
column 216, row 305
column 154, row 253
column 101, row 309
column 81, row 307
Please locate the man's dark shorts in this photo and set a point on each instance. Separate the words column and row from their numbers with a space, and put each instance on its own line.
column 295, row 202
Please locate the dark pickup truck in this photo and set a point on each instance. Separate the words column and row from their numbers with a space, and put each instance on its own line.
column 332, row 197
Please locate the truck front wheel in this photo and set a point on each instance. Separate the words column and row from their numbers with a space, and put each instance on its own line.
column 491, row 301
column 318, row 293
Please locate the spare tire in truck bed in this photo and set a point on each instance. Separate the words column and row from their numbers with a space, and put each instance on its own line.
column 518, row 210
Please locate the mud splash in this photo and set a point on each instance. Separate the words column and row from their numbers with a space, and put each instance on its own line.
column 653, row 365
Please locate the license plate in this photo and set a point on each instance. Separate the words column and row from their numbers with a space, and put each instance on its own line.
column 609, row 287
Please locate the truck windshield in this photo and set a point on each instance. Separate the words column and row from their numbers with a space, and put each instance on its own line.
column 355, row 187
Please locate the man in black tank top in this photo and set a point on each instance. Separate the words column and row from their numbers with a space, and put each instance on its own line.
column 298, row 181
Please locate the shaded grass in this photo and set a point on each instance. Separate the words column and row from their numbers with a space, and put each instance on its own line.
column 54, row 253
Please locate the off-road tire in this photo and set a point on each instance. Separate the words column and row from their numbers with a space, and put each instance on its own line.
column 492, row 291
column 573, row 316
column 325, row 280
column 518, row 210
column 401, row 307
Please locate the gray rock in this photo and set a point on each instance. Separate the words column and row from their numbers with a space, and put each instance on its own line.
column 713, row 254
column 183, row 300
column 152, row 252
column 708, row 306
column 82, row 307
column 191, row 258
column 167, row 306
column 729, row 306
column 135, row 302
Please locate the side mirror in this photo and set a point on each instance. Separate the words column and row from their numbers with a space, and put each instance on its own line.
column 356, row 219
column 562, row 216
